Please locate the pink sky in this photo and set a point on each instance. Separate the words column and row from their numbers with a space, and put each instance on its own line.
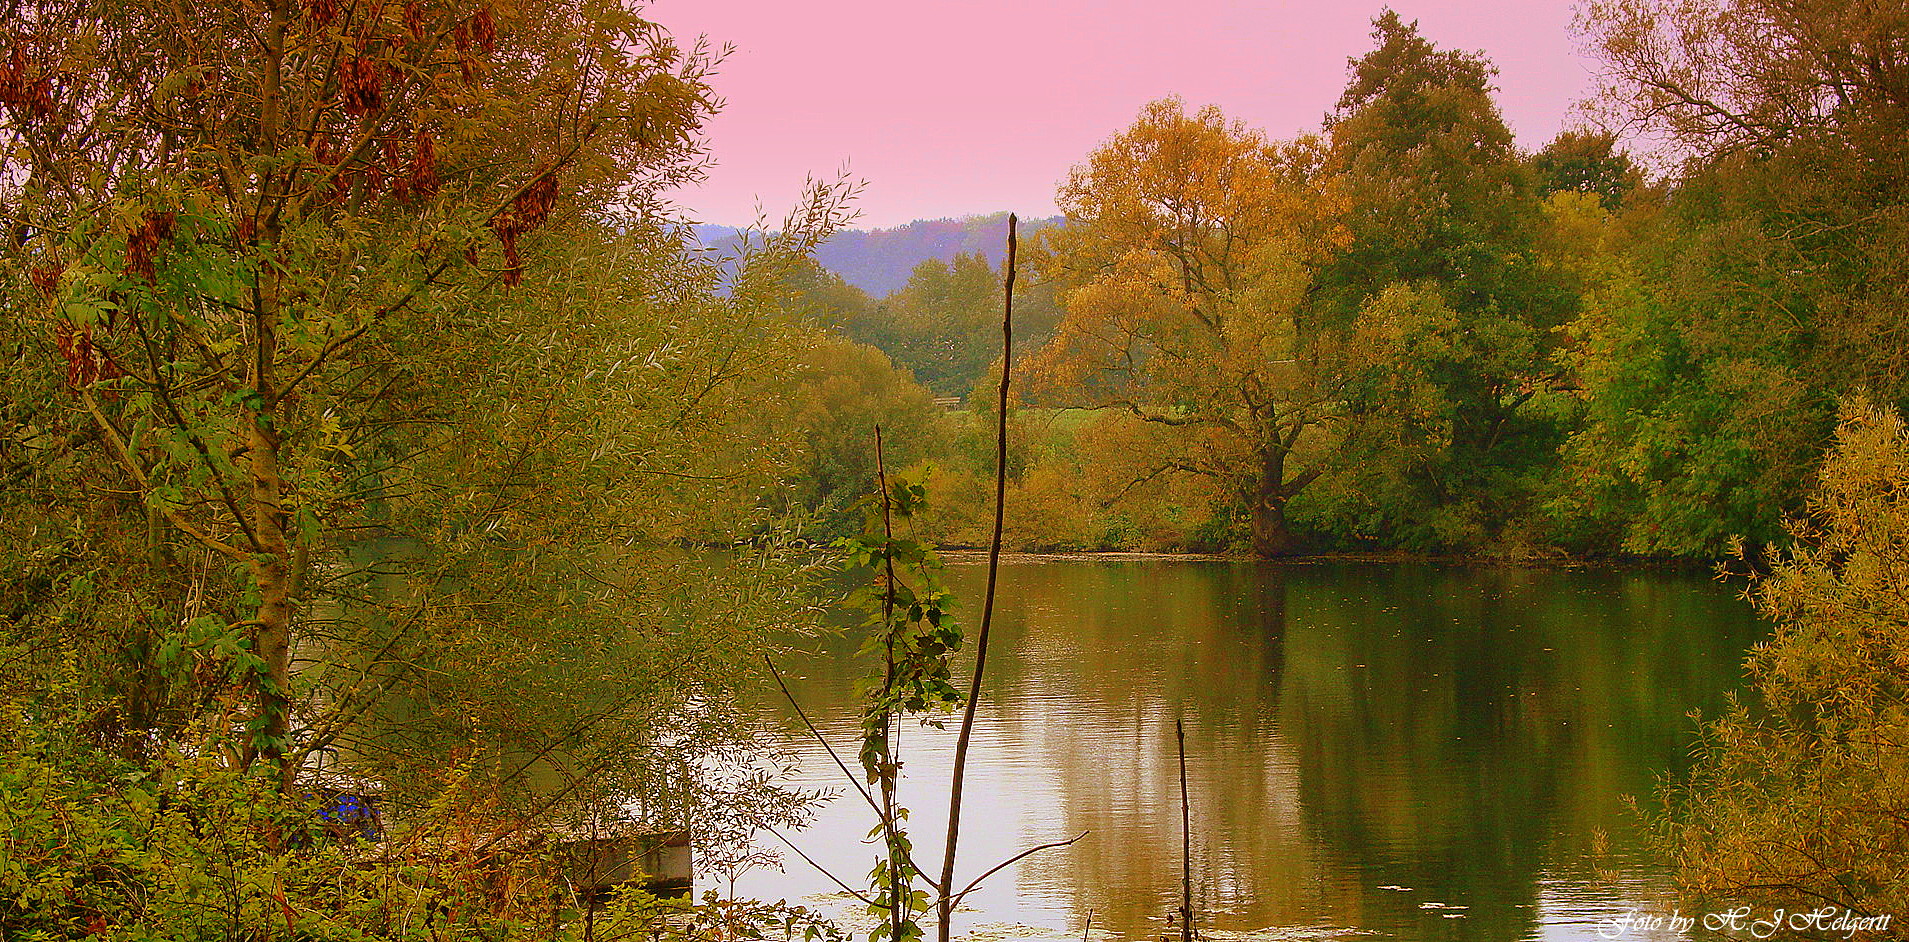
column 952, row 109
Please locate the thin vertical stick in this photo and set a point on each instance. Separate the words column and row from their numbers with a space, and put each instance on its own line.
column 886, row 772
column 1186, row 841
column 946, row 906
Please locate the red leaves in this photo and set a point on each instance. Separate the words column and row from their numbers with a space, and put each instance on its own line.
column 532, row 206
column 154, row 229
column 529, row 210
column 424, row 167
column 513, row 260
column 86, row 363
column 410, row 175
column 361, row 81
column 414, row 20
column 321, row 12
column 484, row 29
column 20, row 89
column 479, row 28
column 47, row 279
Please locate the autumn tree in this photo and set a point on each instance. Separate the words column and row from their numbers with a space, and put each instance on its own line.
column 1797, row 798
column 1182, row 269
column 258, row 249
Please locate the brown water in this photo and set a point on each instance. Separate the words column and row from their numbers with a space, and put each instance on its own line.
column 1375, row 751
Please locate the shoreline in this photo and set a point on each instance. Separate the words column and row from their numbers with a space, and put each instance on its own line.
column 969, row 555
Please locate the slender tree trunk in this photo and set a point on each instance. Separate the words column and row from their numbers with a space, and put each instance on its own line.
column 272, row 570
column 1186, row 837
column 945, row 908
column 272, row 565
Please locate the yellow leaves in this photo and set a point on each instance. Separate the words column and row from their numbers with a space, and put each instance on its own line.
column 1833, row 678
column 1185, row 258
column 332, row 437
column 1171, row 172
column 1578, row 227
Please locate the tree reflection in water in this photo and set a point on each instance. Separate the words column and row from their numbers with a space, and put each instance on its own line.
column 1468, row 735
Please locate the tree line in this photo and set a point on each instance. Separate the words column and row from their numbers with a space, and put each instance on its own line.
column 1407, row 333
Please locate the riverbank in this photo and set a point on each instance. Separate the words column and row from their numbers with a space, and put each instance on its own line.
column 968, row 555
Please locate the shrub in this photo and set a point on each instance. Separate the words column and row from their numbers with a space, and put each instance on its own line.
column 1802, row 796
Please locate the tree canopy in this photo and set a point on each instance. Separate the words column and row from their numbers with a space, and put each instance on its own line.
column 347, row 348
column 1183, row 264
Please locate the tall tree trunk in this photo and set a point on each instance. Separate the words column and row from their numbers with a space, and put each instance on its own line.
column 272, row 565
column 272, row 570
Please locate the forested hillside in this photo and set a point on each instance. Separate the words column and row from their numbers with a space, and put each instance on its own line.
column 879, row 261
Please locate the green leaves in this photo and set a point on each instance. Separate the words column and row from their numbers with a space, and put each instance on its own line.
column 912, row 636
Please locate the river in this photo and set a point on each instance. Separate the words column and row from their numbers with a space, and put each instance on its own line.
column 1394, row 751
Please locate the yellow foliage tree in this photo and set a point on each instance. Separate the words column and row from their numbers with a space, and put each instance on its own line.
column 1183, row 269
column 1799, row 800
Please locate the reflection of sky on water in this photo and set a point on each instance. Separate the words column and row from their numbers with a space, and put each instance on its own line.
column 1573, row 909
column 1400, row 752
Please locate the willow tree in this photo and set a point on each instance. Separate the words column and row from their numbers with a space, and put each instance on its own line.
column 228, row 221
column 1797, row 800
column 1182, row 268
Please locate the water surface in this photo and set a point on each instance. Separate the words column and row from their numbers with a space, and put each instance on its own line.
column 1404, row 751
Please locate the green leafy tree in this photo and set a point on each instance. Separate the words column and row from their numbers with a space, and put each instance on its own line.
column 314, row 430
column 1774, row 282
column 1686, row 436
column 547, row 514
column 225, row 210
column 1439, row 201
column 945, row 319
column 1789, row 114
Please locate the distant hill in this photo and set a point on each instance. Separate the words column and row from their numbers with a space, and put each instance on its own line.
column 878, row 260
